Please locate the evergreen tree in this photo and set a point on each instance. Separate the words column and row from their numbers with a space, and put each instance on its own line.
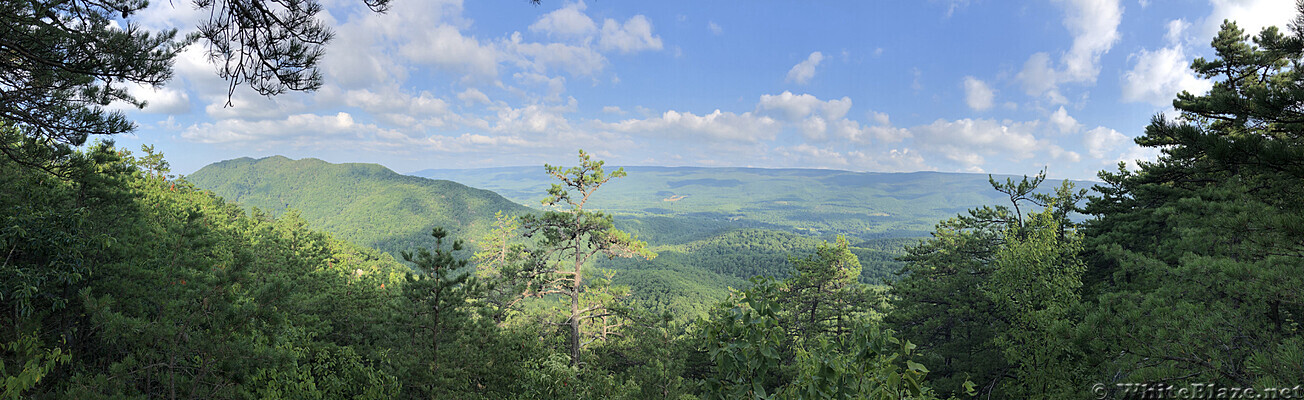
column 1195, row 257
column 824, row 294
column 438, row 291
column 961, row 294
column 569, row 239
column 65, row 61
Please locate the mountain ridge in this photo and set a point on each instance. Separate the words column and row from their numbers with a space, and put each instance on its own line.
column 365, row 203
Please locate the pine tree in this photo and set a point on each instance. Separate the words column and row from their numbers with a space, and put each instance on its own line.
column 1196, row 257
column 825, row 295
column 439, row 291
column 65, row 61
column 566, row 241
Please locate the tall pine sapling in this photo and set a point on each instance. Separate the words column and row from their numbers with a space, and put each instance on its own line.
column 438, row 290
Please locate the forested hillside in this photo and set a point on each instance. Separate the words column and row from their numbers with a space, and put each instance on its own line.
column 701, row 256
column 1178, row 278
column 812, row 202
column 124, row 282
column 364, row 203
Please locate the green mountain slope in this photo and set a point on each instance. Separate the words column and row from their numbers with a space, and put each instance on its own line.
column 363, row 203
column 713, row 227
column 814, row 202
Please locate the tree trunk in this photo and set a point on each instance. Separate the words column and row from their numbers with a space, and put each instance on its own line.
column 575, row 309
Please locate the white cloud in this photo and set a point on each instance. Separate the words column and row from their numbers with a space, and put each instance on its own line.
column 716, row 126
column 1039, row 78
column 820, row 120
column 1063, row 122
column 392, row 105
column 1159, row 75
column 1176, row 28
column 159, row 100
column 805, row 70
column 554, row 85
column 633, row 36
column 568, row 22
column 1137, row 153
column 953, row 5
column 299, row 130
column 473, row 96
column 890, row 160
column 714, row 28
column 1101, row 141
column 613, row 110
column 1250, row 15
column 968, row 141
column 545, row 57
column 1094, row 26
column 880, row 118
column 247, row 105
column 977, row 94
column 796, row 106
column 535, row 119
column 446, row 48
column 1060, row 154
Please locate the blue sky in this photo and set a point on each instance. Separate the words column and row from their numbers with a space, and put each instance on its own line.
column 945, row 85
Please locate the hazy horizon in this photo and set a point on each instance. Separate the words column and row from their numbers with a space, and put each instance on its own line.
column 951, row 86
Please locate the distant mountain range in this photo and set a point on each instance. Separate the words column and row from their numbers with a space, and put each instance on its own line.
column 713, row 227
column 812, row 202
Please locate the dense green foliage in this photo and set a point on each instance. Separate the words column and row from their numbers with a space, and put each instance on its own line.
column 123, row 282
column 700, row 257
column 120, row 281
column 1186, row 275
column 1198, row 256
column 364, row 203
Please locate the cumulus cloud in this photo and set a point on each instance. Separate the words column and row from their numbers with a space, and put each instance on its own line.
column 805, row 70
column 1063, row 122
column 633, row 36
column 796, row 106
column 554, row 57
column 1250, row 15
column 473, row 96
column 820, row 120
column 445, row 47
column 977, row 94
column 1176, row 30
column 716, row 126
column 1094, row 26
column 969, row 141
column 714, row 28
column 301, row 130
column 1039, row 78
column 1100, row 141
column 159, row 100
column 568, row 22
column 1159, row 75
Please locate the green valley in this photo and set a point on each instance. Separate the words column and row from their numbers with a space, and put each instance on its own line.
column 701, row 255
column 1177, row 274
column 811, row 202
